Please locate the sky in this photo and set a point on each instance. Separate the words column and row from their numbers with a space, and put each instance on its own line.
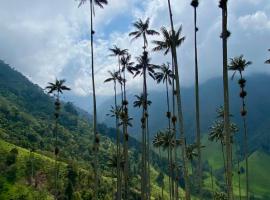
column 50, row 39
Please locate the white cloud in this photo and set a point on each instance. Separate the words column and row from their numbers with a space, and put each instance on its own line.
column 258, row 21
column 48, row 39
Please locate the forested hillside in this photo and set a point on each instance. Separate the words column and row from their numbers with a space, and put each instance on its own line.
column 27, row 121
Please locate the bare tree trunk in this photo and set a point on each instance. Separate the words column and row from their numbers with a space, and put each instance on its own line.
column 226, row 99
column 197, row 96
column 245, row 143
column 179, row 111
column 117, row 147
column 96, row 177
column 239, row 180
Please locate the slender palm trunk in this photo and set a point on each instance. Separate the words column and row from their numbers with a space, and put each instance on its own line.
column 224, row 164
column 197, row 96
column 179, row 110
column 212, row 181
column 117, row 146
column 239, row 180
column 56, row 148
column 226, row 101
column 170, row 177
column 174, row 133
column 245, row 143
column 96, row 177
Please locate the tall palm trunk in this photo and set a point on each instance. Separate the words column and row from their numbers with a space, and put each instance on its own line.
column 119, row 190
column 174, row 135
column 226, row 99
column 96, row 177
column 239, row 180
column 179, row 110
column 56, row 151
column 224, row 164
column 212, row 180
column 171, row 158
column 245, row 142
column 198, row 129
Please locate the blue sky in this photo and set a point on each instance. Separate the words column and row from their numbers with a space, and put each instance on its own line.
column 49, row 39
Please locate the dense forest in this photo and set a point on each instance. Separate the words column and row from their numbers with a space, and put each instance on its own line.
column 208, row 141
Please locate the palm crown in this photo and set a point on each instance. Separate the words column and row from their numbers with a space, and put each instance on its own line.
column 142, row 31
column 99, row 3
column 168, row 40
column 141, row 101
column 116, row 51
column 115, row 77
column 268, row 61
column 238, row 64
column 144, row 65
column 165, row 74
column 195, row 3
column 58, row 86
column 126, row 63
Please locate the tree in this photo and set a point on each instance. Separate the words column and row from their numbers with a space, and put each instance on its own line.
column 115, row 77
column 57, row 88
column 166, row 76
column 218, row 134
column 195, row 4
column 140, row 103
column 142, row 31
column 267, row 61
column 224, row 36
column 172, row 40
column 99, row 3
column 239, row 64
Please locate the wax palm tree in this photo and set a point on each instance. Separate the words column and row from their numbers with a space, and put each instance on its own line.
column 57, row 88
column 224, row 36
column 239, row 64
column 167, row 143
column 117, row 52
column 101, row 4
column 142, row 31
column 168, row 40
column 176, row 42
column 267, row 61
column 157, row 143
column 143, row 102
column 144, row 68
column 195, row 4
column 115, row 77
column 217, row 134
column 166, row 76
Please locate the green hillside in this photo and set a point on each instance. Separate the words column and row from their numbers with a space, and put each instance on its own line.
column 259, row 163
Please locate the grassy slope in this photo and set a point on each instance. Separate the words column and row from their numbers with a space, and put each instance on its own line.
column 259, row 164
column 21, row 187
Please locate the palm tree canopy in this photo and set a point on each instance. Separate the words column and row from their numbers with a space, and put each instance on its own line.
column 126, row 63
column 168, row 40
column 195, row 3
column 267, row 61
column 115, row 111
column 144, row 64
column 99, row 3
column 238, row 64
column 114, row 76
column 140, row 101
column 142, row 30
column 58, row 86
column 116, row 51
column 165, row 74
column 157, row 141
